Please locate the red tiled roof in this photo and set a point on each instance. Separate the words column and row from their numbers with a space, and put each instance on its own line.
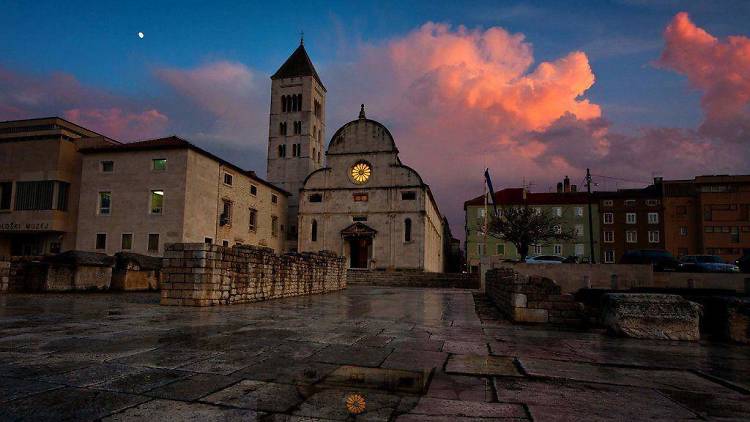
column 514, row 196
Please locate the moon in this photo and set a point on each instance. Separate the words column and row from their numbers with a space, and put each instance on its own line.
column 140, row 35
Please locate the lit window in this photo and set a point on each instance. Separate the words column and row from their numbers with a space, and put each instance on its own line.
column 579, row 211
column 253, row 222
column 653, row 236
column 127, row 241
column 159, row 164
column 253, row 190
column 631, row 236
column 101, row 241
column 108, row 166
column 653, row 218
column 157, row 201
column 360, row 172
column 153, row 242
column 630, row 218
column 228, row 179
column 360, row 197
column 609, row 257
column 609, row 237
column 683, row 231
column 105, row 203
column 609, row 218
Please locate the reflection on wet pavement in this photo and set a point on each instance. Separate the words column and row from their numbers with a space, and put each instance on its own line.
column 408, row 354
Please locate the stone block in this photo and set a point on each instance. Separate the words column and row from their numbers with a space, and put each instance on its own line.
column 651, row 316
column 518, row 300
column 530, row 315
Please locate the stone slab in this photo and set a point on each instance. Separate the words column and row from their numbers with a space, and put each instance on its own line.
column 352, row 355
column 169, row 410
column 193, row 388
column 651, row 316
column 258, row 395
column 414, row 360
column 439, row 407
column 482, row 365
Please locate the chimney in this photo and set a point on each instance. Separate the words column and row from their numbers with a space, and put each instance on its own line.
column 566, row 184
column 559, row 187
column 658, row 180
column 573, row 188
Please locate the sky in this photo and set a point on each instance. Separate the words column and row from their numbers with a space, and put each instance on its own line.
column 532, row 90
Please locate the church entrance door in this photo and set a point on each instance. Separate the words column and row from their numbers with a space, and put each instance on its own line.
column 360, row 252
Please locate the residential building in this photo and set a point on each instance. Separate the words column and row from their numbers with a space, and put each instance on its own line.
column 630, row 219
column 40, row 169
column 141, row 195
column 708, row 215
column 368, row 206
column 567, row 204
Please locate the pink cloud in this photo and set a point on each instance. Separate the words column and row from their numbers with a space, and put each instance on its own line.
column 119, row 124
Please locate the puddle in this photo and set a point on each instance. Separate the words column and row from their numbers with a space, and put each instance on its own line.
column 386, row 380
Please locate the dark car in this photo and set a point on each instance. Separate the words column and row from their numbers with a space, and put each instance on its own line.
column 659, row 258
column 744, row 263
column 707, row 264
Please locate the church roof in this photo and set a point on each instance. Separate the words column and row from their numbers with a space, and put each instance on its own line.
column 298, row 64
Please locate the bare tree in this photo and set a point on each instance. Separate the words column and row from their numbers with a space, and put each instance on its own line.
column 524, row 226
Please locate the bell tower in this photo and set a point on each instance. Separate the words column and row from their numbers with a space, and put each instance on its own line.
column 296, row 131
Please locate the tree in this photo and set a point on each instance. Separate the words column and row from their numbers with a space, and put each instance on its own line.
column 524, row 226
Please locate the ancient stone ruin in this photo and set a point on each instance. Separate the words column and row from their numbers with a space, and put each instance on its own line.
column 651, row 316
column 198, row 274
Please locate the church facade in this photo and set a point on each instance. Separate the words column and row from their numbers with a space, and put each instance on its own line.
column 368, row 206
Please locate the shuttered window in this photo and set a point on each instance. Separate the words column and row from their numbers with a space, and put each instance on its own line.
column 34, row 195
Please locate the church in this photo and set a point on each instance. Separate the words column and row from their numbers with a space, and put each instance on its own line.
column 355, row 199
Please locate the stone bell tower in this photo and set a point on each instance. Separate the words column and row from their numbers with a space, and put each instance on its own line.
column 296, row 131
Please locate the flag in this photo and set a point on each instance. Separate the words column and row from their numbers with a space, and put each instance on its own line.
column 492, row 191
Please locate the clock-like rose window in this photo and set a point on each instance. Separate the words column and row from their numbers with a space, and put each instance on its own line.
column 360, row 172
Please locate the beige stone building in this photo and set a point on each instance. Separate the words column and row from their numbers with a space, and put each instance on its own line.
column 39, row 184
column 296, row 130
column 366, row 205
column 139, row 196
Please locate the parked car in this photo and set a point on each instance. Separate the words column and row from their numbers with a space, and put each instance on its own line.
column 744, row 263
column 659, row 258
column 545, row 259
column 707, row 264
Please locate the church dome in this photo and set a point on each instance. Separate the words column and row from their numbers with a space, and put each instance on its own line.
column 362, row 136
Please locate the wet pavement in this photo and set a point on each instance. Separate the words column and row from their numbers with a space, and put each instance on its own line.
column 364, row 353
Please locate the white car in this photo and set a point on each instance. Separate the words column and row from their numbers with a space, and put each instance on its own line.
column 545, row 259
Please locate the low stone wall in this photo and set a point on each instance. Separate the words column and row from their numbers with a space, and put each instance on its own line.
column 198, row 274
column 413, row 279
column 4, row 274
column 135, row 272
column 737, row 282
column 531, row 298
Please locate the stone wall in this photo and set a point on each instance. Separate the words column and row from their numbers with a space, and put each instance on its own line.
column 199, row 274
column 4, row 274
column 531, row 298
column 413, row 279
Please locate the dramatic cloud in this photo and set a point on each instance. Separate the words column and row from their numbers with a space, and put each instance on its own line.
column 115, row 122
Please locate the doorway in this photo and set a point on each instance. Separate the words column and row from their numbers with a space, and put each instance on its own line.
column 359, row 252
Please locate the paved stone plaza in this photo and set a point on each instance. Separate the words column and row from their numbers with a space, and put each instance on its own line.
column 411, row 354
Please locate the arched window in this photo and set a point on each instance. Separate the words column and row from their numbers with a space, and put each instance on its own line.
column 294, row 103
column 407, row 230
column 299, row 102
column 314, row 231
column 283, row 103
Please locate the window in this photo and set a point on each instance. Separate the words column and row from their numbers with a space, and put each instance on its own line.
column 501, row 248
column 252, row 224
column 709, row 229
column 735, row 235
column 101, row 241
column 315, row 197
column 6, row 192
column 683, row 231
column 314, row 231
column 408, row 196
column 274, row 199
column 282, row 150
column 629, row 202
column 557, row 211
column 34, row 195
column 360, row 197
column 282, row 128
column 579, row 230
column 630, row 218
column 557, row 228
column 480, row 249
column 359, row 218
column 226, row 212
column 653, row 218
column 225, row 243
column 609, row 218
column 609, row 237
column 481, row 212
column 126, row 242
column 537, row 249
column 608, row 203
column 274, row 226
column 652, row 202
column 631, row 236
column 558, row 249
column 153, row 242
column 105, row 203
column 159, row 164
column 253, row 190
column 653, row 236
column 294, row 151
column 579, row 211
column 157, row 201
column 62, row 196
column 609, row 257
column 228, row 179
column 107, row 166
column 297, row 127
column 579, row 249
column 208, row 240
column 407, row 230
